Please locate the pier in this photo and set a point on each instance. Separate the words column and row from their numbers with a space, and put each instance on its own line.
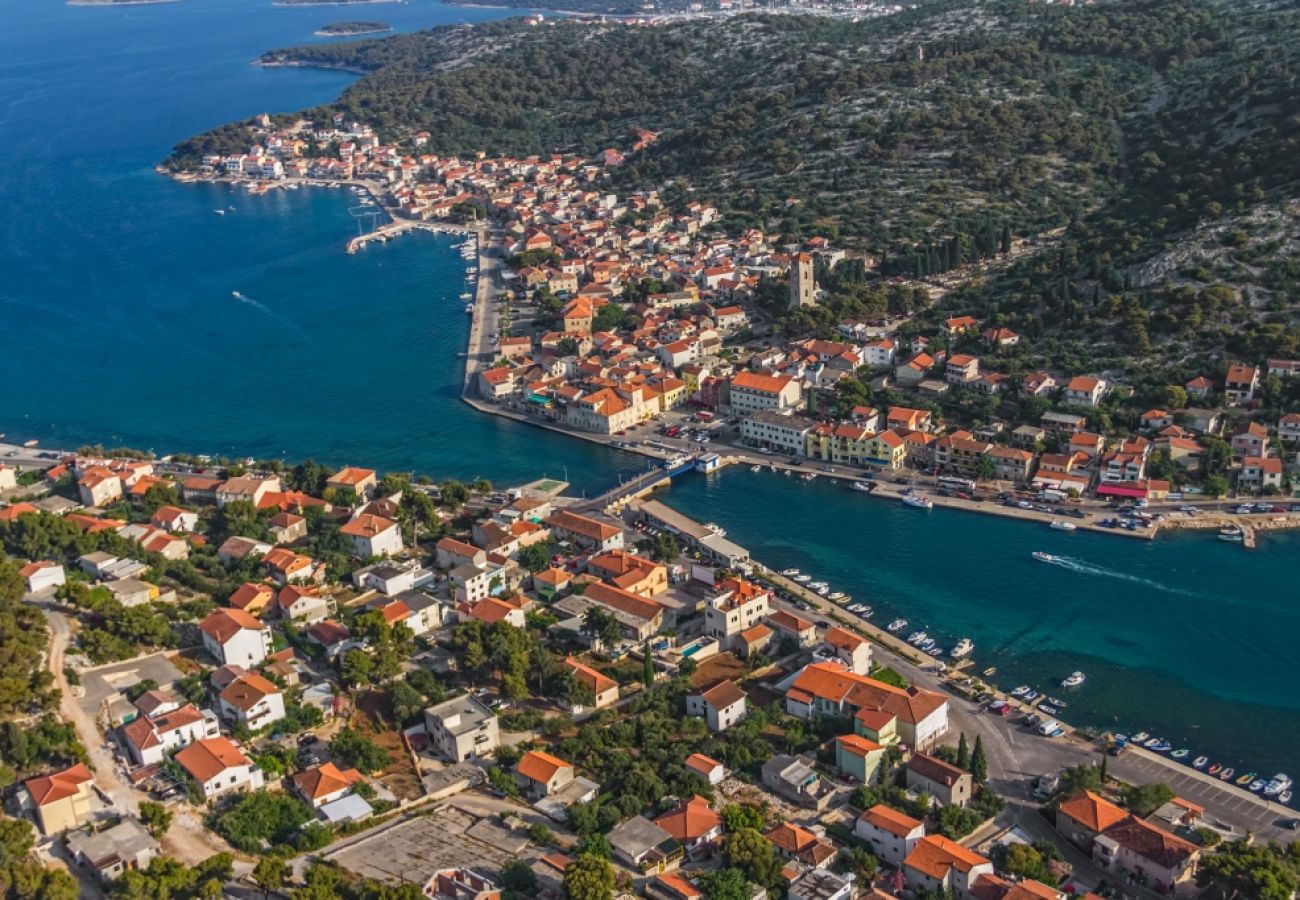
column 399, row 227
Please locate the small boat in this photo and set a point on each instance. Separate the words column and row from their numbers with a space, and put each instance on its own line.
column 1140, row 737
column 1234, row 538
column 864, row 486
column 1047, row 709
column 918, row 502
column 803, row 578
column 1247, row 778
column 823, row 590
column 839, row 597
column 808, row 476
column 812, row 584
column 716, row 529
column 1285, row 796
column 789, row 573
column 1030, row 695
column 990, row 672
column 867, row 612
column 897, row 625
column 935, row 651
column 220, row 212
column 1062, row 525
column 1075, row 679
column 926, row 644
column 1256, row 786
column 1226, row 774
column 469, row 309
column 1043, row 557
column 467, row 296
column 963, row 648
column 1214, row 769
column 1180, row 753
column 1200, row 762
column 1277, row 784
column 1020, row 691
column 755, row 468
column 1160, row 747
column 1059, row 704
column 916, row 637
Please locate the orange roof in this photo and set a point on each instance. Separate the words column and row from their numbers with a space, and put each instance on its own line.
column 10, row 513
column 991, row 887
column 351, row 476
column 206, row 759
column 245, row 691
column 791, row 838
column 723, row 694
column 223, row 624
column 858, row 744
column 787, row 621
column 888, row 819
column 323, row 780
column 58, row 786
column 250, row 594
column 367, row 525
column 756, row 633
column 700, row 763
column 767, row 384
column 840, row 637
column 597, row 681
column 678, row 885
column 833, row 682
column 540, row 766
column 623, row 601
column 689, row 821
column 1092, row 811
column 935, row 856
column 490, row 610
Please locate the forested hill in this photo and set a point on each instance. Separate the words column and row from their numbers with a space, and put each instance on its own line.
column 1159, row 137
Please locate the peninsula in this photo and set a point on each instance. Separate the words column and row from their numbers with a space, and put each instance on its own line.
column 117, row 2
column 353, row 29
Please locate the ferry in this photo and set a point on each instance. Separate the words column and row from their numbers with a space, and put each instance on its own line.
column 897, row 625
column 963, row 648
column 918, row 502
column 1043, row 557
column 1062, row 525
column 1075, row 679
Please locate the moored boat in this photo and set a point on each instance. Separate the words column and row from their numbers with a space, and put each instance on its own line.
column 1180, row 753
column 864, row 486
column 1075, row 679
column 755, row 468
column 1059, row 704
column 963, row 648
column 1256, row 786
column 1020, row 691
column 1200, row 762
column 1226, row 774
column 790, row 573
column 1062, row 525
column 1285, row 796
column 839, row 597
column 897, row 625
column 918, row 502
column 1247, row 778
column 1140, row 737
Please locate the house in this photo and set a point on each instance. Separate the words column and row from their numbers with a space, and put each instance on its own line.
column 330, row 635
column 603, row 688
column 1158, row 859
column 905, row 419
column 645, row 847
column 630, row 572
column 252, row 597
column 752, row 392
column 1250, row 441
column 1288, row 428
column 787, row 625
column 235, row 549
column 639, row 617
column 361, row 483
column 302, row 605
column 796, row 844
column 246, row 488
column 829, row 688
column 460, row 883
column 1000, row 337
column 219, row 767
column 61, row 800
column 540, row 774
column 124, row 847
column 1202, row 421
column 1240, row 384
column 588, row 534
column 821, row 884
column 712, row 770
column 947, row 783
column 1084, row 390
column 1083, row 816
column 959, row 325
column 722, row 705
column 782, row 433
column 937, row 864
column 252, row 701
column 890, row 834
column 174, row 519
column 1062, row 424
column 284, row 566
column 99, row 487
column 287, row 527
column 498, row 609
column 993, row 887
column 149, row 738
column 671, row 886
column 962, row 368
column 850, row 649
column 461, row 729
column 692, row 824
column 859, row 757
column 1011, row 463
column 325, row 783
column 1260, row 473
column 42, row 575
column 1155, row 419
column 236, row 638
column 373, row 536
column 1199, row 387
column 450, row 553
column 551, row 582
column 795, row 778
column 738, row 605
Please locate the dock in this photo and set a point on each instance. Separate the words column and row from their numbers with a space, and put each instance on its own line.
column 399, row 227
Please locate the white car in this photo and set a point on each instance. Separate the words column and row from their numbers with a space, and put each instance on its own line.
column 1190, row 510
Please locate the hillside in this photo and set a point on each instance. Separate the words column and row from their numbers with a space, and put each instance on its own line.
column 1158, row 136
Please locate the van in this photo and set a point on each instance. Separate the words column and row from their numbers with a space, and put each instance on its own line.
column 1046, row 728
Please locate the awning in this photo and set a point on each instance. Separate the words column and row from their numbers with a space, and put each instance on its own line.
column 1121, row 490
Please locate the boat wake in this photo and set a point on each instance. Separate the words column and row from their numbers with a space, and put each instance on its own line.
column 1085, row 568
column 267, row 311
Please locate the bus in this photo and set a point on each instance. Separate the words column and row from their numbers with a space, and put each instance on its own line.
column 957, row 484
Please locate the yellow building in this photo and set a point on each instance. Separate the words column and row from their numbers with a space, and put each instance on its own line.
column 62, row 800
column 630, row 572
column 886, row 450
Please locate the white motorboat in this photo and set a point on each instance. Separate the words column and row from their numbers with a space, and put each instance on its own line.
column 1062, row 525
column 755, row 468
column 864, row 486
column 916, row 637
column 790, row 573
column 716, row 529
column 823, row 590
column 897, row 625
column 839, row 597
column 469, row 309
column 1277, row 784
column 963, row 648
column 803, row 578
column 815, row 585
column 1075, row 679
column 918, row 502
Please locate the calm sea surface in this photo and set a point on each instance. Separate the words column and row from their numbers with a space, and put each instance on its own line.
column 119, row 323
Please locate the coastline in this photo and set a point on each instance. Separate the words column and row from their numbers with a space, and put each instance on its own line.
column 348, row 34
column 295, row 64
column 118, row 2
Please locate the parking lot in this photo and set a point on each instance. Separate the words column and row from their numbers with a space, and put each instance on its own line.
column 410, row 851
column 100, row 684
column 1227, row 806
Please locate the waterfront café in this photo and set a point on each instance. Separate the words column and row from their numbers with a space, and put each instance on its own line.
column 1147, row 489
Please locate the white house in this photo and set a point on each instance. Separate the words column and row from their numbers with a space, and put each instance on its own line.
column 42, row 575
column 373, row 536
column 219, row 767
column 236, row 638
column 891, row 834
column 302, row 605
column 1083, row 390
column 150, row 738
column 722, row 705
column 252, row 700
column 850, row 649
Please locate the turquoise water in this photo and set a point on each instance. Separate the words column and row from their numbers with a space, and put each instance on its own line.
column 1189, row 638
column 118, row 324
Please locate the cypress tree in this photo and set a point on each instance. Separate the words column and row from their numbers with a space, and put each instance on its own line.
column 963, row 753
column 1006, row 238
column 648, row 672
column 979, row 764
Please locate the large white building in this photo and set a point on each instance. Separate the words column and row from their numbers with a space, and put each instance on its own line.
column 461, row 729
column 753, row 392
column 236, row 638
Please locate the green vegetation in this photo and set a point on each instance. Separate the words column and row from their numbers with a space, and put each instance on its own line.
column 21, row 876
column 24, row 682
column 353, row 749
column 1261, row 871
column 353, row 28
column 254, row 821
column 589, row 877
column 1144, row 799
column 167, row 877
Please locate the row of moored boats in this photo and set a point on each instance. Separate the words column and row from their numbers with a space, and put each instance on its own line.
column 1278, row 788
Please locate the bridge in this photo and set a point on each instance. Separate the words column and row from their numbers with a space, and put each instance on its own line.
column 640, row 484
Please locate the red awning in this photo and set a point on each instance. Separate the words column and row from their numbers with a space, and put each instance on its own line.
column 1120, row 490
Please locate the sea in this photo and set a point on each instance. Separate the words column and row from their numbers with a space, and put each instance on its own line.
column 133, row 314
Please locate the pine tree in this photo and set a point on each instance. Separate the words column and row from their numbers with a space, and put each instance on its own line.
column 812, row 402
column 1103, row 769
column 979, row 765
column 963, row 753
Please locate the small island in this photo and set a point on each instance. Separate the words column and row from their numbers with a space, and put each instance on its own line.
column 327, row 2
column 116, row 2
column 353, row 29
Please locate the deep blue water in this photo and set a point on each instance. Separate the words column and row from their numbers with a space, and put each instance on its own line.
column 118, row 324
